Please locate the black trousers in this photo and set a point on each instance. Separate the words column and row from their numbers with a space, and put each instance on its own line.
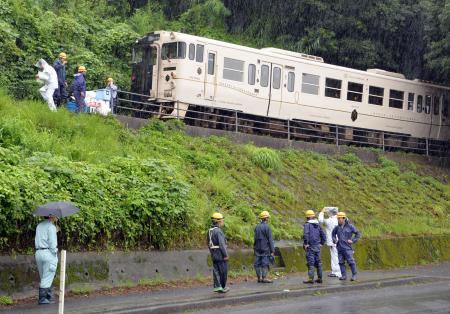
column 220, row 274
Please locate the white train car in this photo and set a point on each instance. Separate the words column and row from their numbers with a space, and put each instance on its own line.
column 178, row 68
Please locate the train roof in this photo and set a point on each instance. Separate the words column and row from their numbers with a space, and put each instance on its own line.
column 308, row 59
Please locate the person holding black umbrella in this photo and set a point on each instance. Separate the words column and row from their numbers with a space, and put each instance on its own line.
column 46, row 244
column 46, row 257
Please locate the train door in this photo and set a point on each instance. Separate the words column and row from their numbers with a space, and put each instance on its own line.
column 264, row 75
column 210, row 76
column 275, row 91
column 145, row 70
column 290, row 96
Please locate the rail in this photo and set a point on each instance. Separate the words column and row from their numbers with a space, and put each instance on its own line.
column 301, row 130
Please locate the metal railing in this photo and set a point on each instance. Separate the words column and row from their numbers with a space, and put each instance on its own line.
column 296, row 130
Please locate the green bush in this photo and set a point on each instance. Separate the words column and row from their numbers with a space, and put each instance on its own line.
column 266, row 158
column 125, row 203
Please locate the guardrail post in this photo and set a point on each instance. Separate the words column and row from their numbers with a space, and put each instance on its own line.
column 382, row 140
column 426, row 142
column 236, row 121
column 289, row 130
column 178, row 110
column 337, row 136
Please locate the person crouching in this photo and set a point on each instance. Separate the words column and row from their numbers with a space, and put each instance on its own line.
column 313, row 238
column 218, row 249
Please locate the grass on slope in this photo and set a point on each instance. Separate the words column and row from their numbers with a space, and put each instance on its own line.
column 383, row 199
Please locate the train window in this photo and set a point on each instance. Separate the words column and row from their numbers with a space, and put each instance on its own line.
column 264, row 75
column 333, row 88
column 436, row 105
column 233, row 69
column 199, row 54
column 410, row 101
column 445, row 104
column 276, row 79
column 396, row 99
column 310, row 84
column 427, row 104
column 419, row 103
column 176, row 50
column 376, row 95
column 211, row 61
column 251, row 74
column 355, row 91
column 291, row 81
column 191, row 51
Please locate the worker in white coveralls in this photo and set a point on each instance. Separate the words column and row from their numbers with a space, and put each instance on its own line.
column 47, row 74
column 46, row 257
column 329, row 224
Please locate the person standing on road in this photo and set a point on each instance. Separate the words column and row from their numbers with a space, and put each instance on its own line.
column 313, row 239
column 263, row 247
column 60, row 94
column 79, row 88
column 46, row 257
column 330, row 223
column 343, row 238
column 217, row 245
column 47, row 74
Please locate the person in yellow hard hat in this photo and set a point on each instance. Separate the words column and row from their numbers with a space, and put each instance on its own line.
column 344, row 235
column 79, row 88
column 59, row 65
column 217, row 245
column 112, row 88
column 263, row 247
column 313, row 239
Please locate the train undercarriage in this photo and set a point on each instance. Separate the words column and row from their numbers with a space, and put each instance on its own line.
column 295, row 130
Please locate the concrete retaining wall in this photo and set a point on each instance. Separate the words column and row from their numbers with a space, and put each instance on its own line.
column 19, row 277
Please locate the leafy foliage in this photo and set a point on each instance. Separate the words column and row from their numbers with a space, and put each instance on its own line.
column 156, row 188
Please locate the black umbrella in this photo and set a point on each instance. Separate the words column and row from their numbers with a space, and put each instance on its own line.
column 58, row 209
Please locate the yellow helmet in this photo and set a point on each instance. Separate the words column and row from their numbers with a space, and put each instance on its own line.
column 62, row 55
column 81, row 69
column 309, row 214
column 109, row 79
column 264, row 214
column 341, row 215
column 217, row 216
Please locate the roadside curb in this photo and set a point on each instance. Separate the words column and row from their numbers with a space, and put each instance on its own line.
column 226, row 300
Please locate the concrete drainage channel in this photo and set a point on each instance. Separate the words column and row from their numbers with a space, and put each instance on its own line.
column 229, row 300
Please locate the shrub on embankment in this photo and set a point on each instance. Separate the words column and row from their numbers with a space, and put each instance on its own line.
column 157, row 187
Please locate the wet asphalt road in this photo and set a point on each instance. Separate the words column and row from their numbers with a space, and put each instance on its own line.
column 427, row 298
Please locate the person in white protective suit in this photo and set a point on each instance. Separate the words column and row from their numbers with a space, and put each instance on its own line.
column 329, row 224
column 46, row 257
column 47, row 74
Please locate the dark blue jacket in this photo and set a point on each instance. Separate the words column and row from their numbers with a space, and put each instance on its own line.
column 341, row 234
column 263, row 241
column 78, row 85
column 313, row 234
column 60, row 72
column 217, row 244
